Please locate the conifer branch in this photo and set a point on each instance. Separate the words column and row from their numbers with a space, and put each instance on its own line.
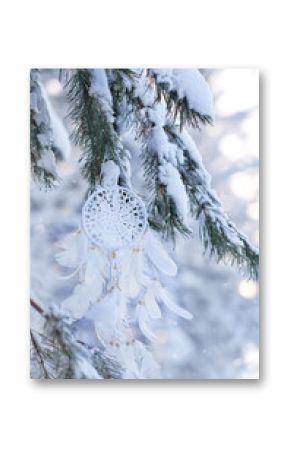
column 41, row 140
column 162, row 211
column 179, row 108
column 92, row 129
column 97, row 129
column 60, row 355
column 220, row 237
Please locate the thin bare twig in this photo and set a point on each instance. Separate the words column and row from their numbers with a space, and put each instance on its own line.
column 39, row 354
column 36, row 306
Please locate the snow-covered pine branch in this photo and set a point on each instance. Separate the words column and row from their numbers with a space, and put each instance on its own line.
column 174, row 172
column 186, row 93
column 137, row 109
column 154, row 104
column 219, row 235
column 48, row 137
column 168, row 203
column 91, row 115
column 57, row 354
column 43, row 166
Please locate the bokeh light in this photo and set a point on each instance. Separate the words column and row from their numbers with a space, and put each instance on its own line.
column 248, row 289
column 53, row 87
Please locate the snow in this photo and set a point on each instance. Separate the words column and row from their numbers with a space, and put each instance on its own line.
column 99, row 85
column 100, row 88
column 157, row 114
column 190, row 146
column 166, row 151
column 34, row 101
column 205, row 194
column 158, row 140
column 165, row 76
column 191, row 85
column 83, row 369
column 144, row 90
column 170, row 177
column 110, row 173
column 59, row 134
column 54, row 132
column 38, row 104
column 47, row 160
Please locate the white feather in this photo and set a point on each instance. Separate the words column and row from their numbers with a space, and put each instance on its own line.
column 96, row 271
column 110, row 314
column 164, row 296
column 73, row 248
column 131, row 272
column 143, row 319
column 151, row 304
column 158, row 256
column 148, row 367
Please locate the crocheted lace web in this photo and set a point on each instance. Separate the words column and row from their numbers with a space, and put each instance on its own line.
column 114, row 217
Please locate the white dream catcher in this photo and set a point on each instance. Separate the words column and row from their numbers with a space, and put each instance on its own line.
column 114, row 217
column 119, row 262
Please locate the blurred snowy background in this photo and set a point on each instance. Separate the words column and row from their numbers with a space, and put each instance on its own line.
column 222, row 340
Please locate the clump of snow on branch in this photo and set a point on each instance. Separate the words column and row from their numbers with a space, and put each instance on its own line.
column 100, row 89
column 48, row 137
column 53, row 133
column 60, row 137
column 189, row 84
column 206, row 196
column 170, row 177
column 110, row 174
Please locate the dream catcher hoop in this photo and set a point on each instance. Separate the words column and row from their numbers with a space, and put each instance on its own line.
column 114, row 217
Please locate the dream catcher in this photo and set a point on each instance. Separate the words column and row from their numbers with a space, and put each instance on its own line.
column 118, row 261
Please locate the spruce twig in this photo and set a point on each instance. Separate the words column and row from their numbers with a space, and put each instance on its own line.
column 92, row 130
